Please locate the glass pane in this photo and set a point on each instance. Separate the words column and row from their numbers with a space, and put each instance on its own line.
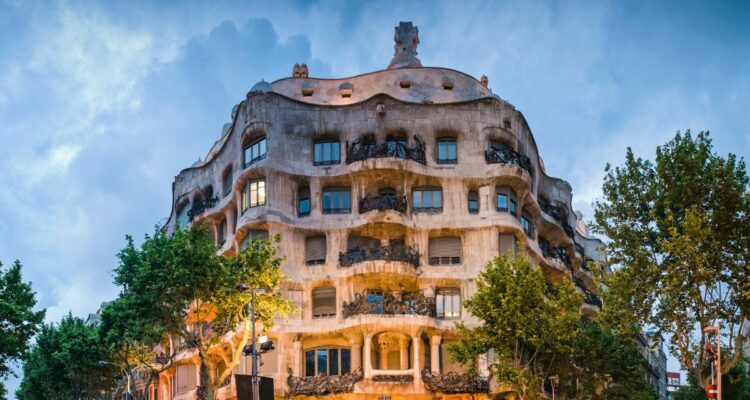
column 262, row 147
column 345, row 201
column 326, row 200
column 456, row 307
column 440, row 307
column 502, row 201
column 326, row 152
column 417, row 201
column 322, row 362
column 441, row 151
column 310, row 363
column 335, row 153
column 244, row 200
column 437, row 199
column 246, row 156
column 473, row 205
column 262, row 192
column 304, row 206
column 427, row 199
column 345, row 361
column 334, row 354
column 318, row 152
column 513, row 206
column 452, row 150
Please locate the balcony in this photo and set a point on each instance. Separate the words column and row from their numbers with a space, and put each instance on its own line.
column 366, row 147
column 409, row 304
column 507, row 156
column 591, row 298
column 452, row 382
column 558, row 215
column 393, row 252
column 321, row 385
column 555, row 253
column 199, row 207
column 383, row 202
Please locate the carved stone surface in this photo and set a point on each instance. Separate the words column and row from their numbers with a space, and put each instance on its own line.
column 507, row 156
column 320, row 385
column 407, row 39
column 410, row 303
column 366, row 147
column 406, row 378
column 395, row 252
column 383, row 202
column 452, row 382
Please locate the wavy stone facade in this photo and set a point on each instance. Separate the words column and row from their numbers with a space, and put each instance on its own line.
column 391, row 191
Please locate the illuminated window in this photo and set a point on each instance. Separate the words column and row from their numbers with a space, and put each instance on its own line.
column 254, row 194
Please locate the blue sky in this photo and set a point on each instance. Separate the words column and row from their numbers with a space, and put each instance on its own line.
column 102, row 104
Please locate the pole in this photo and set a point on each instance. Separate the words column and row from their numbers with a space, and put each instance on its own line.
column 254, row 378
column 718, row 364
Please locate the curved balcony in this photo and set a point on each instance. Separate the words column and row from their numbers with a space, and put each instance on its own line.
column 400, row 253
column 366, row 147
column 507, row 156
column 320, row 385
column 199, row 207
column 383, row 202
column 452, row 382
column 555, row 253
column 409, row 304
column 558, row 215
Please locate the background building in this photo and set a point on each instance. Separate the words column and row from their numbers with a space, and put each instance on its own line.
column 674, row 383
column 391, row 191
column 651, row 345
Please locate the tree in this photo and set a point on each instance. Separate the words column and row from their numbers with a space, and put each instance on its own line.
column 679, row 231
column 178, row 288
column 735, row 386
column 530, row 329
column 67, row 362
column 18, row 320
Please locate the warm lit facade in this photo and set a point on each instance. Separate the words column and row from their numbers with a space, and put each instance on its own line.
column 391, row 190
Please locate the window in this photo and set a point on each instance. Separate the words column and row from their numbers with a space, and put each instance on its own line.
column 508, row 242
column 253, row 235
column 506, row 199
column 445, row 250
column 222, row 232
column 183, row 220
column 185, row 378
column 303, row 206
column 513, row 207
column 226, row 182
column 525, row 224
column 375, row 298
column 502, row 202
column 448, row 302
column 324, row 302
column 473, row 202
column 327, row 152
column 254, row 152
column 335, row 361
column 254, row 194
column 315, row 250
column 427, row 200
column 446, row 148
column 337, row 201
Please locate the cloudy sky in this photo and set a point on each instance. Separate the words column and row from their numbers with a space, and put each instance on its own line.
column 102, row 104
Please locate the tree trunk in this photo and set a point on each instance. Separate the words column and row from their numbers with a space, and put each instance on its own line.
column 207, row 389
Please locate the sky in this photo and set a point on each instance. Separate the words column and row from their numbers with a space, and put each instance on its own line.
column 103, row 103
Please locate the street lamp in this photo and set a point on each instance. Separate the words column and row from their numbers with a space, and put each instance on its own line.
column 715, row 351
column 265, row 344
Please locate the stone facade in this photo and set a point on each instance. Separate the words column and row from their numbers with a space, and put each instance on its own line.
column 391, row 191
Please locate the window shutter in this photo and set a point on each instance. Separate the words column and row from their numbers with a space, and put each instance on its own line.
column 449, row 246
column 508, row 242
column 324, row 301
column 315, row 249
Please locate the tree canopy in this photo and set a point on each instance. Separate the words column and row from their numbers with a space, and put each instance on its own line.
column 679, row 235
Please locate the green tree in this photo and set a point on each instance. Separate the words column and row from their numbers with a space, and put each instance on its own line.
column 735, row 386
column 679, row 231
column 18, row 320
column 531, row 330
column 67, row 362
column 178, row 288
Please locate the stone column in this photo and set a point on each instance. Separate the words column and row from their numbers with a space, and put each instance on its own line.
column 356, row 352
column 435, row 353
column 383, row 355
column 415, row 340
column 297, row 357
column 368, row 357
column 198, row 373
column 403, row 353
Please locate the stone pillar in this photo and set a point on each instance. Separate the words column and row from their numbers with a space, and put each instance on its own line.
column 368, row 357
column 356, row 352
column 403, row 353
column 435, row 353
column 383, row 355
column 415, row 340
column 297, row 357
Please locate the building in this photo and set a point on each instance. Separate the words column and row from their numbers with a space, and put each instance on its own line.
column 651, row 345
column 391, row 191
column 674, row 383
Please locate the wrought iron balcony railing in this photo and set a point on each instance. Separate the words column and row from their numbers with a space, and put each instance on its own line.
column 507, row 156
column 382, row 203
column 558, row 215
column 401, row 253
column 452, row 382
column 366, row 147
column 556, row 253
column 409, row 303
column 201, row 206
column 591, row 298
column 321, row 385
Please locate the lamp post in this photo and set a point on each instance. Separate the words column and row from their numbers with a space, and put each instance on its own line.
column 253, row 349
column 715, row 350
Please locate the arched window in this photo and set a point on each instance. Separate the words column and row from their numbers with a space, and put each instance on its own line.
column 324, row 302
column 445, row 250
column 254, row 151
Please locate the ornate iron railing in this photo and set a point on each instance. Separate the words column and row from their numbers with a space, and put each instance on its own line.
column 409, row 303
column 591, row 298
column 394, row 378
column 507, row 156
column 558, row 215
column 200, row 206
column 557, row 253
column 366, row 147
column 383, row 202
column 401, row 253
column 321, row 385
column 452, row 382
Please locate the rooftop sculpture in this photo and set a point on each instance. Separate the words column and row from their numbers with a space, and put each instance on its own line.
column 407, row 39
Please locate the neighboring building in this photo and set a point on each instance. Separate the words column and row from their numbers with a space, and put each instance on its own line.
column 651, row 345
column 391, row 191
column 674, row 383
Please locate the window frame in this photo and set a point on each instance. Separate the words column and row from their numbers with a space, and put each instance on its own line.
column 300, row 198
column 445, row 260
column 312, row 262
column 312, row 302
column 337, row 210
column 249, row 146
column 448, row 293
column 475, row 198
column 505, row 196
column 420, row 206
column 340, row 351
column 329, row 142
column 246, row 199
column 446, row 140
